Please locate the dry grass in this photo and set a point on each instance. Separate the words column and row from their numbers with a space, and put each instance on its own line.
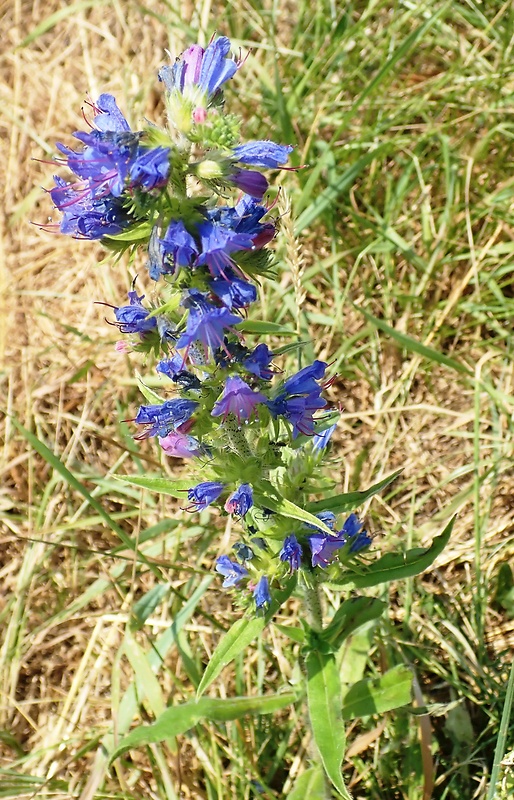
column 65, row 600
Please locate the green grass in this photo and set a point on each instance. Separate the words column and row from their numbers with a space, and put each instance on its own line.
column 401, row 113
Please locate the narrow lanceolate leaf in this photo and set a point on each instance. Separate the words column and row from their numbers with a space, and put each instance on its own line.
column 240, row 635
column 242, row 632
column 179, row 719
column 289, row 509
column 264, row 328
column 395, row 566
column 378, row 695
column 158, row 484
column 347, row 502
column 324, row 699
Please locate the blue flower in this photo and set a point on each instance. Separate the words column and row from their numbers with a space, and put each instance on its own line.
column 113, row 158
column 262, row 154
column 237, row 399
column 323, row 547
column 233, row 291
column 108, row 116
column 134, row 317
column 179, row 245
column 150, row 169
column 240, row 501
column 298, row 410
column 203, row 494
column 258, row 361
column 219, row 238
column 231, row 570
column 249, row 214
column 205, row 323
column 304, row 382
column 354, row 531
column 206, row 69
column 292, row 552
column 159, row 420
column 261, row 593
column 299, row 399
column 84, row 215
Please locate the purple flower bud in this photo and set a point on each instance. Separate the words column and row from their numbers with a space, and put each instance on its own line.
column 203, row 494
column 231, row 570
column 180, row 445
column 237, row 399
column 291, row 552
column 240, row 501
column 261, row 592
column 249, row 181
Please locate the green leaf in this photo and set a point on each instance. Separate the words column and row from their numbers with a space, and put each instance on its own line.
column 132, row 234
column 288, row 509
column 296, row 634
column 147, row 604
column 347, row 502
column 378, row 695
column 256, row 326
column 159, row 485
column 179, row 719
column 414, row 346
column 350, row 616
column 149, row 394
column 242, row 632
column 394, row 566
column 311, row 784
column 324, row 699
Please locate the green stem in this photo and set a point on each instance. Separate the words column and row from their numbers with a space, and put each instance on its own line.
column 312, row 601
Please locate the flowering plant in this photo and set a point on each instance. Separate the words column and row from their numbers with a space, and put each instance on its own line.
column 254, row 436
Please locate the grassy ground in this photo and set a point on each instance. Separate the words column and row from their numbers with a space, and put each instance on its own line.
column 403, row 113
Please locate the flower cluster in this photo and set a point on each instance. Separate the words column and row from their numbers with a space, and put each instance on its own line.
column 192, row 197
